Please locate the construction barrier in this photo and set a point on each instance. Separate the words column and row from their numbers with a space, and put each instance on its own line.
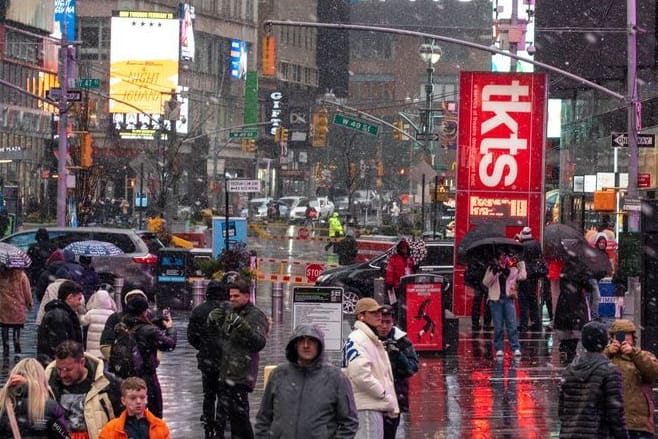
column 289, row 271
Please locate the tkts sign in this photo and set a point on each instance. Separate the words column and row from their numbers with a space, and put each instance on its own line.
column 500, row 157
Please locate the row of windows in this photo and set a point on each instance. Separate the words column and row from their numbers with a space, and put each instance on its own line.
column 297, row 73
column 298, row 37
column 229, row 9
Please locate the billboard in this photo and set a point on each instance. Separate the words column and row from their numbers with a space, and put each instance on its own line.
column 187, row 47
column 143, row 61
column 499, row 157
column 238, row 59
column 65, row 13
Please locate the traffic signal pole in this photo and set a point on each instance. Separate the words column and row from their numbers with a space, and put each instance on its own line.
column 63, row 122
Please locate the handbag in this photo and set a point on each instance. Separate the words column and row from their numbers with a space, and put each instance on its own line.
column 12, row 420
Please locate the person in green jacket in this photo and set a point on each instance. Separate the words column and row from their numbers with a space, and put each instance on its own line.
column 335, row 229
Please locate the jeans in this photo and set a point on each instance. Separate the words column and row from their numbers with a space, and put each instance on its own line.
column 371, row 424
column 594, row 296
column 234, row 401
column 503, row 312
column 528, row 306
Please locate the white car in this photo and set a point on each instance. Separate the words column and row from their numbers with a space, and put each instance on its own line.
column 256, row 208
column 323, row 205
column 298, row 211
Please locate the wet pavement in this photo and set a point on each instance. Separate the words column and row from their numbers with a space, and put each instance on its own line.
column 467, row 394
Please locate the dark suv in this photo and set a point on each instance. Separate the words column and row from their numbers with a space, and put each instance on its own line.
column 358, row 280
column 136, row 265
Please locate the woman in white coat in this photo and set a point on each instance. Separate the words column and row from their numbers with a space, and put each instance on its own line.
column 101, row 305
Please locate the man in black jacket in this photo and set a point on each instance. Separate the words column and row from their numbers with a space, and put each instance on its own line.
column 404, row 363
column 209, row 349
column 591, row 402
column 243, row 333
column 60, row 322
column 528, row 288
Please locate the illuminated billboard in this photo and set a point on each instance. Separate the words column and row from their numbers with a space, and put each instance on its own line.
column 65, row 12
column 143, row 61
column 500, row 157
column 238, row 59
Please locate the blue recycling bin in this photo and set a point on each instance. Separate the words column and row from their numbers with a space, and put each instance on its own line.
column 607, row 303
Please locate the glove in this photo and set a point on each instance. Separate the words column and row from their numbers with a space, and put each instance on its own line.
column 231, row 321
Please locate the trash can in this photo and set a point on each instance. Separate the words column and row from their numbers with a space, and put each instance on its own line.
column 422, row 311
column 607, row 303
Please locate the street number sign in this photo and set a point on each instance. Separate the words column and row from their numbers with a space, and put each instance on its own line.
column 90, row 83
column 242, row 134
column 356, row 124
column 243, row 185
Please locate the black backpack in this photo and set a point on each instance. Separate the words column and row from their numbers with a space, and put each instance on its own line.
column 126, row 359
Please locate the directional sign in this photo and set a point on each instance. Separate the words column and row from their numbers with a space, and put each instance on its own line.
column 243, row 185
column 242, row 134
column 55, row 94
column 643, row 140
column 90, row 83
column 425, row 137
column 356, row 124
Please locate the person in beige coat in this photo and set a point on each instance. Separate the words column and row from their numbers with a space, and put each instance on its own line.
column 15, row 300
column 366, row 364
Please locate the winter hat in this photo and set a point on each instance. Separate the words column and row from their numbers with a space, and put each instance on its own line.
column 525, row 234
column 133, row 294
column 137, row 306
column 216, row 290
column 621, row 325
column 594, row 336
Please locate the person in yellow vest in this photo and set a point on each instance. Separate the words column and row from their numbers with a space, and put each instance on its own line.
column 335, row 229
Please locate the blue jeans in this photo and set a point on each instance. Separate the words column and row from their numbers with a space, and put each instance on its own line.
column 503, row 312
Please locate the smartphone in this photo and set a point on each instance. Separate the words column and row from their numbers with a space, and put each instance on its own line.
column 620, row 336
column 166, row 314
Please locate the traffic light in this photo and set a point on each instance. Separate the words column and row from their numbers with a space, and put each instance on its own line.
column 284, row 135
column 403, row 171
column 380, row 168
column 277, row 135
column 86, row 151
column 397, row 133
column 248, row 145
column 353, row 170
column 320, row 128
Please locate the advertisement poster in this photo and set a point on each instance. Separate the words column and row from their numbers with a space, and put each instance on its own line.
column 143, row 61
column 500, row 159
column 425, row 316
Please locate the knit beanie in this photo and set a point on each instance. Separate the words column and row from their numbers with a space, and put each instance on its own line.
column 594, row 336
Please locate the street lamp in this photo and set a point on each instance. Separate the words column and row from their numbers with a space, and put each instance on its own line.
column 430, row 53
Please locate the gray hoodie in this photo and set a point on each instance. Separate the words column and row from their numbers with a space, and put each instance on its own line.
column 309, row 402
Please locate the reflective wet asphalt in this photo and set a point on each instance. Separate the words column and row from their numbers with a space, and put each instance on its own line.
column 466, row 394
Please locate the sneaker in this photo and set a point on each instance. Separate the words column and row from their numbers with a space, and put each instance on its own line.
column 499, row 353
column 517, row 353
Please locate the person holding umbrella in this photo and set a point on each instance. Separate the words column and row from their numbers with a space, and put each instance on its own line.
column 500, row 279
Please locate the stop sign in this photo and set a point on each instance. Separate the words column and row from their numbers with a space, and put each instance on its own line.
column 303, row 233
column 313, row 271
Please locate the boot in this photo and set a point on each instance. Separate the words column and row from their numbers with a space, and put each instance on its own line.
column 17, row 343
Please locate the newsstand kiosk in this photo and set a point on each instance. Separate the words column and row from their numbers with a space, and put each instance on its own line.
column 422, row 312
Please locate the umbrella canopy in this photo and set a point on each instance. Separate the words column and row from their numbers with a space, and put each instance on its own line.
column 484, row 250
column 481, row 231
column 554, row 237
column 13, row 257
column 94, row 248
column 592, row 259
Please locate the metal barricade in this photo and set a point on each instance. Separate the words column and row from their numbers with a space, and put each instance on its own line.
column 198, row 292
column 277, row 302
column 118, row 287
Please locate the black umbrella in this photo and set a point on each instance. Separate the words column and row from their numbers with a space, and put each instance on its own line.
column 484, row 250
column 554, row 237
column 481, row 231
column 593, row 259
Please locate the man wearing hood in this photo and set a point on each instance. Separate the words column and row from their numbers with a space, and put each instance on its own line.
column 366, row 364
column 591, row 402
column 307, row 397
column 209, row 349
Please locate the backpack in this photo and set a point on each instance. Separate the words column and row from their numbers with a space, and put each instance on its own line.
column 125, row 357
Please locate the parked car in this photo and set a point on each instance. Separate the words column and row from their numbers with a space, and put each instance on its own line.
column 297, row 213
column 342, row 204
column 365, row 199
column 256, row 208
column 323, row 205
column 357, row 280
column 136, row 265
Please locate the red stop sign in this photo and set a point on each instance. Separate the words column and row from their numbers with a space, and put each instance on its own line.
column 313, row 271
column 303, row 233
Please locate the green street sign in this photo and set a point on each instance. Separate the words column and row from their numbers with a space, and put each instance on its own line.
column 90, row 83
column 242, row 134
column 356, row 124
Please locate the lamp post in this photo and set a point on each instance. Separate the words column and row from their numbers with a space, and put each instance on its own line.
column 430, row 53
